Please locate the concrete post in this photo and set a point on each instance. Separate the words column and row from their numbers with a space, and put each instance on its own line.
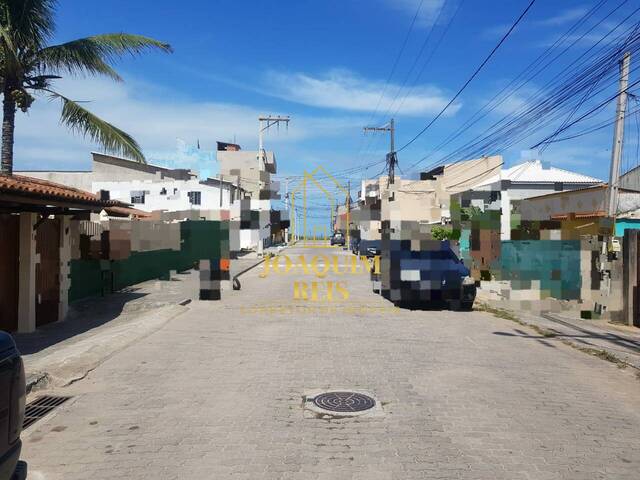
column 630, row 275
column 27, row 274
column 505, row 216
column 65, row 268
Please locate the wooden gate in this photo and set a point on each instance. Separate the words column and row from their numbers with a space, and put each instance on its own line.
column 631, row 277
column 9, row 252
column 48, row 272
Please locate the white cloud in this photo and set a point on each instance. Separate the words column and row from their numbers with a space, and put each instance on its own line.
column 340, row 89
column 496, row 31
column 588, row 158
column 511, row 102
column 563, row 17
column 428, row 13
column 155, row 117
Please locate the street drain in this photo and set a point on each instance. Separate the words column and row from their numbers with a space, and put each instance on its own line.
column 344, row 402
column 41, row 407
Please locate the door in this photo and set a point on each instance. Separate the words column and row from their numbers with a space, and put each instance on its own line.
column 47, row 272
column 9, row 252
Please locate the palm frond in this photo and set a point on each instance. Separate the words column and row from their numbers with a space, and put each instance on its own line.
column 113, row 45
column 78, row 56
column 30, row 22
column 89, row 125
column 93, row 55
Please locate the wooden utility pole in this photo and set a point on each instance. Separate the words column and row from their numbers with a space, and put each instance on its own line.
column 392, row 159
column 618, row 137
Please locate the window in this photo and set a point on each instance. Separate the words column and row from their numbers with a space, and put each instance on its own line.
column 137, row 196
column 194, row 198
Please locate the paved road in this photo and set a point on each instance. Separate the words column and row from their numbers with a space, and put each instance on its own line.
column 217, row 393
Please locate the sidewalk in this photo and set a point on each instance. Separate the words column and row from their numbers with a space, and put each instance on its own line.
column 612, row 342
column 96, row 328
column 620, row 341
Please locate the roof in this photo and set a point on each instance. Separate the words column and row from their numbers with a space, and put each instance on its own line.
column 580, row 215
column 18, row 186
column 126, row 211
column 602, row 186
column 534, row 172
column 174, row 173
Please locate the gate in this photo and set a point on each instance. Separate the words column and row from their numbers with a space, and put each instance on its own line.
column 9, row 252
column 631, row 277
column 48, row 272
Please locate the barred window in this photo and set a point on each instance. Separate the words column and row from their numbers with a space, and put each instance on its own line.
column 194, row 198
column 137, row 196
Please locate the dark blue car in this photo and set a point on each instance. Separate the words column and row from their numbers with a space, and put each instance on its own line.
column 12, row 404
column 430, row 275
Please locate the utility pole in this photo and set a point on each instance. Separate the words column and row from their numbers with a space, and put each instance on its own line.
column 618, row 137
column 264, row 124
column 220, row 186
column 286, row 206
column 392, row 159
column 349, row 212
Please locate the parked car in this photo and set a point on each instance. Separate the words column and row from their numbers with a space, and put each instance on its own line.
column 355, row 246
column 433, row 275
column 370, row 248
column 12, row 404
column 337, row 239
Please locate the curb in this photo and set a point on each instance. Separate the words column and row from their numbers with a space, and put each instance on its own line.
column 621, row 359
column 34, row 379
column 43, row 379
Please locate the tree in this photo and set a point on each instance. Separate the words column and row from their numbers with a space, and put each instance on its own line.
column 444, row 233
column 28, row 66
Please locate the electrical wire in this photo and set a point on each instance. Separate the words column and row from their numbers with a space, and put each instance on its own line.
column 472, row 77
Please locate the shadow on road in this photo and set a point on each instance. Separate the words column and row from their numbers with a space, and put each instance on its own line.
column 84, row 315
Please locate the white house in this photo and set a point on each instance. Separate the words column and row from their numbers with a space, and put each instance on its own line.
column 148, row 187
column 529, row 179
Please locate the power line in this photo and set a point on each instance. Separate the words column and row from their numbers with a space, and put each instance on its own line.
column 570, row 84
column 470, row 79
column 428, row 60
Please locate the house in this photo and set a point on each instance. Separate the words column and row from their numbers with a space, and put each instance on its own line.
column 36, row 242
column 149, row 187
column 254, row 223
column 582, row 211
column 529, row 179
column 427, row 200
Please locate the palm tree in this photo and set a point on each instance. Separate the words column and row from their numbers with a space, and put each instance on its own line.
column 29, row 66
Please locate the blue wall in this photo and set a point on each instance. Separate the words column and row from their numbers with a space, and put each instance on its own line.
column 556, row 263
column 626, row 224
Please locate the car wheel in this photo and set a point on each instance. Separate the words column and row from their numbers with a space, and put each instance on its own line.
column 461, row 306
column 466, row 306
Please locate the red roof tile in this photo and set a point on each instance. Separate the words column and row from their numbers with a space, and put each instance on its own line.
column 127, row 211
column 35, row 187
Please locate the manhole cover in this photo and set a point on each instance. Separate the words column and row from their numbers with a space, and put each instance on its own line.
column 344, row 401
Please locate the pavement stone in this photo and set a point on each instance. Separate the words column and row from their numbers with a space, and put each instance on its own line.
column 217, row 393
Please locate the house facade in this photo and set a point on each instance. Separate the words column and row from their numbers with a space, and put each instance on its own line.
column 148, row 187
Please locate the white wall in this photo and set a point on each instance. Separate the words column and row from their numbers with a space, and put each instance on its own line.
column 154, row 200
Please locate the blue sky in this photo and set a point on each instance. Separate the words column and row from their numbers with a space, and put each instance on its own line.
column 324, row 63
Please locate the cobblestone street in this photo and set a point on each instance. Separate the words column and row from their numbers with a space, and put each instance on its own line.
column 217, row 392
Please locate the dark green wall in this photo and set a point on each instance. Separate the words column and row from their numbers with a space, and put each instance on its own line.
column 200, row 240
